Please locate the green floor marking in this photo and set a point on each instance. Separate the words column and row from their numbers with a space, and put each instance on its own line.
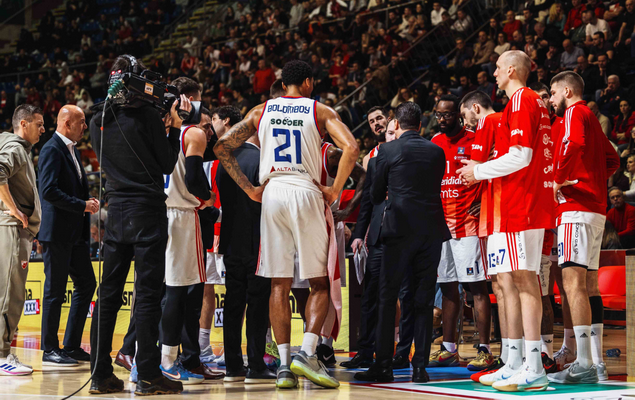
column 553, row 388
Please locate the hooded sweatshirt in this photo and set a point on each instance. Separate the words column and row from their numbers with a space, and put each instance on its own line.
column 16, row 170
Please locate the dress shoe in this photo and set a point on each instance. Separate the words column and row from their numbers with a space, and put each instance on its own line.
column 124, row 360
column 77, row 354
column 264, row 376
column 376, row 373
column 207, row 372
column 237, row 375
column 58, row 358
column 358, row 361
column 112, row 384
column 160, row 385
column 400, row 362
column 419, row 375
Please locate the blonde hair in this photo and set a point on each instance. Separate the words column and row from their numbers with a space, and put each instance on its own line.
column 554, row 16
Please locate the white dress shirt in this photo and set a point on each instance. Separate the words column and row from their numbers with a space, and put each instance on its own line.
column 70, row 145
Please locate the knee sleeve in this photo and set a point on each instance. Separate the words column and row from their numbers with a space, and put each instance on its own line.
column 597, row 310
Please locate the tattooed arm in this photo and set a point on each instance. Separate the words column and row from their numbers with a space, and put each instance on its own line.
column 224, row 150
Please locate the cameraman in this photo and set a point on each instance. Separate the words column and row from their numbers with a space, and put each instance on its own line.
column 136, row 155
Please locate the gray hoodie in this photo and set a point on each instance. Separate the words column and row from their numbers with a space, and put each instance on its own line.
column 16, row 170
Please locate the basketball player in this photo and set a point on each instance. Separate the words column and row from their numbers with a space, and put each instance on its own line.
column 524, row 211
column 188, row 191
column 583, row 162
column 378, row 121
column 293, row 210
column 462, row 256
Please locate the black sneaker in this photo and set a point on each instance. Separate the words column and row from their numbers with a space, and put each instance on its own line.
column 326, row 354
column 235, row 375
column 264, row 376
column 358, row 361
column 112, row 384
column 160, row 385
column 550, row 365
column 58, row 358
column 77, row 354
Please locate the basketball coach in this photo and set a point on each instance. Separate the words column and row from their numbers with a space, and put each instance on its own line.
column 409, row 170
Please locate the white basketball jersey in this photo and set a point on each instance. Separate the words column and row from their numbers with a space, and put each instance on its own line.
column 175, row 188
column 290, row 141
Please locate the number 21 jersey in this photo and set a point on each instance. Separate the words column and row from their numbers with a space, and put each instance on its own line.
column 290, row 141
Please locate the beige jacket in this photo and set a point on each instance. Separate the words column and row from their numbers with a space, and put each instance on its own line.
column 16, row 170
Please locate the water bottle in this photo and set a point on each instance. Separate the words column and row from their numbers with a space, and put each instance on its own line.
column 613, row 353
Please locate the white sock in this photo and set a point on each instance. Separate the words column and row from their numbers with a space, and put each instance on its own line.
column 203, row 338
column 284, row 350
column 309, row 343
column 547, row 344
column 522, row 349
column 583, row 340
column 451, row 347
column 569, row 339
column 397, row 334
column 136, row 351
column 597, row 340
column 504, row 349
column 515, row 356
column 486, row 346
column 534, row 357
column 168, row 355
column 268, row 337
column 327, row 341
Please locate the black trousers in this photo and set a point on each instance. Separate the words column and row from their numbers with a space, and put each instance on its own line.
column 180, row 321
column 139, row 231
column 370, row 296
column 407, row 320
column 60, row 261
column 421, row 255
column 245, row 289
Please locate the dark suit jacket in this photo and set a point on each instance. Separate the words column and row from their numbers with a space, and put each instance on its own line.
column 62, row 194
column 410, row 170
column 240, row 227
column 369, row 217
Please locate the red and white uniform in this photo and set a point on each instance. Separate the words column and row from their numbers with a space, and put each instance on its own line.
column 461, row 256
column 585, row 156
column 215, row 265
column 545, row 262
column 523, row 206
column 373, row 152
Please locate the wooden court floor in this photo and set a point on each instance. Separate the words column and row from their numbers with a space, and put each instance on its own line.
column 450, row 383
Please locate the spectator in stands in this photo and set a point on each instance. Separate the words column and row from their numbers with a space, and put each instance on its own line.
column 604, row 121
column 557, row 17
column 574, row 18
column 626, row 26
column 263, row 78
column 436, row 13
column 463, row 23
column 569, row 57
column 622, row 125
column 493, row 29
column 519, row 41
column 503, row 44
column 483, row 48
column 530, row 22
column 511, row 25
column 610, row 97
column 597, row 7
column 486, row 86
column 187, row 63
column 594, row 24
column 589, row 74
column 622, row 216
column 85, row 103
column 600, row 46
column 402, row 96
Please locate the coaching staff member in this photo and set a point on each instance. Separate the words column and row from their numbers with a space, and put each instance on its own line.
column 65, row 233
column 135, row 158
column 410, row 171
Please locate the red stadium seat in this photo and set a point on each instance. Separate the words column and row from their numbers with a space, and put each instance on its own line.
column 612, row 284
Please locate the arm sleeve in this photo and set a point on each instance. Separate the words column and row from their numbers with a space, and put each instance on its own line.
column 379, row 185
column 517, row 159
column 195, row 179
column 573, row 141
column 49, row 166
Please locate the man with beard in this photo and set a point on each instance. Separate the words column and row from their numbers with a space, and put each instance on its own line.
column 579, row 190
column 462, row 256
column 378, row 121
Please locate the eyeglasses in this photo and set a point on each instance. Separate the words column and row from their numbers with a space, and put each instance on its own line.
column 446, row 115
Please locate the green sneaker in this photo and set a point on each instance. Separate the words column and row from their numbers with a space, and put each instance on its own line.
column 286, row 379
column 272, row 349
column 313, row 369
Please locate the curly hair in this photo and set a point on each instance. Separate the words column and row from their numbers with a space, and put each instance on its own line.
column 230, row 112
column 295, row 72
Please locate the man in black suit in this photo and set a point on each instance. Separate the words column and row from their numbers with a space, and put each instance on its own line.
column 240, row 246
column 66, row 209
column 408, row 174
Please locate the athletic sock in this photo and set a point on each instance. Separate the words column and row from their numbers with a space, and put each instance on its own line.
column 597, row 338
column 515, row 357
column 309, row 343
column 451, row 347
column 504, row 349
column 327, row 341
column 547, row 344
column 534, row 359
column 168, row 355
column 203, row 338
column 569, row 339
column 284, row 350
column 523, row 349
column 268, row 337
column 583, row 341
column 486, row 346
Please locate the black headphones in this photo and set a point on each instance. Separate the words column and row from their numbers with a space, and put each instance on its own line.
column 133, row 67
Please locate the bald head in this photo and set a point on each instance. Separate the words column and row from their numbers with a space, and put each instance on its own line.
column 71, row 122
column 519, row 61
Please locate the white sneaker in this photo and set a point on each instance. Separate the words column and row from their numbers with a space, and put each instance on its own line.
column 207, row 355
column 525, row 380
column 603, row 374
column 563, row 357
column 11, row 366
column 501, row 374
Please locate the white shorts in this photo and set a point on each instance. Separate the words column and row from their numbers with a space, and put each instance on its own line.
column 341, row 255
column 514, row 251
column 543, row 274
column 580, row 243
column 293, row 221
column 462, row 261
column 215, row 265
column 184, row 265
